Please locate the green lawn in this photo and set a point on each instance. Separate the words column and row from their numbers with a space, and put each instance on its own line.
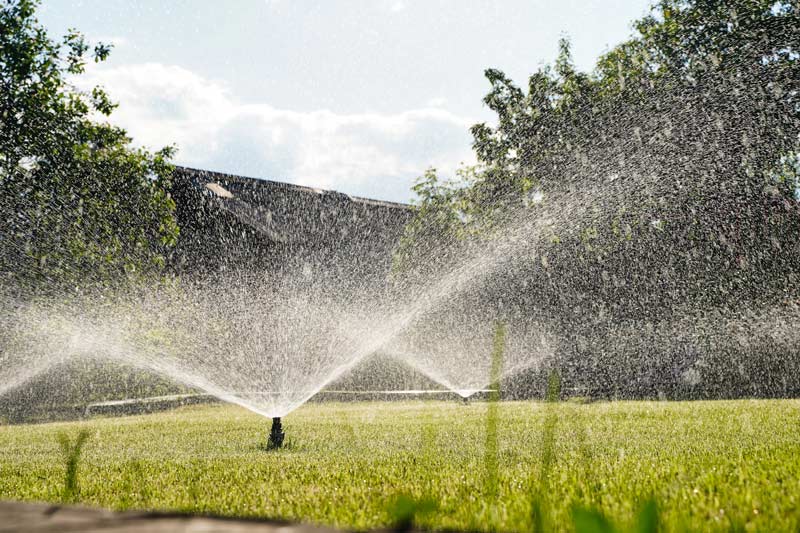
column 709, row 465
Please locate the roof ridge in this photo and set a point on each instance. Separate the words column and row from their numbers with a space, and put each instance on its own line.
column 292, row 186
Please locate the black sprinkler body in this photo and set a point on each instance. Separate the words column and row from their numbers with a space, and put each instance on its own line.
column 276, row 434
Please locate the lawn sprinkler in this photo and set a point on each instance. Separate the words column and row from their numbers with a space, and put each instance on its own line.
column 276, row 434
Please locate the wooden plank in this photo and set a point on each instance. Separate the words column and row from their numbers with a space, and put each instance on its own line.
column 47, row 518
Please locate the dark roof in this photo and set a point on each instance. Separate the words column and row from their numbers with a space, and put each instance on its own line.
column 212, row 176
column 285, row 212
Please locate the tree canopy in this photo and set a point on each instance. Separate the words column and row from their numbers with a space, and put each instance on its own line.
column 686, row 132
column 79, row 204
column 659, row 188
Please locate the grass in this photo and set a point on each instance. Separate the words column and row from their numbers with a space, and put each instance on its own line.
column 707, row 465
column 490, row 449
column 72, row 456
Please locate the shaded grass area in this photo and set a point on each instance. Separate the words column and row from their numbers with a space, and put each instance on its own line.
column 707, row 465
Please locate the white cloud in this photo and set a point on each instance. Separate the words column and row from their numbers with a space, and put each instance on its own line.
column 398, row 6
column 368, row 153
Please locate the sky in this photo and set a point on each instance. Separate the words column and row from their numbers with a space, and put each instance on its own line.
column 355, row 96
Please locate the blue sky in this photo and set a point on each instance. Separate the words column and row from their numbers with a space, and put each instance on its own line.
column 357, row 96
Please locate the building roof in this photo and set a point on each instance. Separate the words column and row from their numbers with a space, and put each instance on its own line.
column 211, row 177
column 285, row 212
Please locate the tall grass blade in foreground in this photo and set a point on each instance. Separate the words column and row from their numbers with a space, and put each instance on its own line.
column 647, row 519
column 591, row 521
column 72, row 456
column 404, row 510
column 594, row 521
column 490, row 459
column 539, row 505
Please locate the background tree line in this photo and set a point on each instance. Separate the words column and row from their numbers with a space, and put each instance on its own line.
column 82, row 211
column 654, row 200
column 79, row 205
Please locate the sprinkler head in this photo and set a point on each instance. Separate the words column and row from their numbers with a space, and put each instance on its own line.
column 276, row 434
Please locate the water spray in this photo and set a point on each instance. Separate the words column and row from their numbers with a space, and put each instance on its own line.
column 276, row 434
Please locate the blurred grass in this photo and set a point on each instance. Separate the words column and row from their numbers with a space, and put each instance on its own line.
column 540, row 514
column 71, row 452
column 708, row 465
column 490, row 448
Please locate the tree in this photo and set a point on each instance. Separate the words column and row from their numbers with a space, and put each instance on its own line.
column 79, row 205
column 666, row 176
